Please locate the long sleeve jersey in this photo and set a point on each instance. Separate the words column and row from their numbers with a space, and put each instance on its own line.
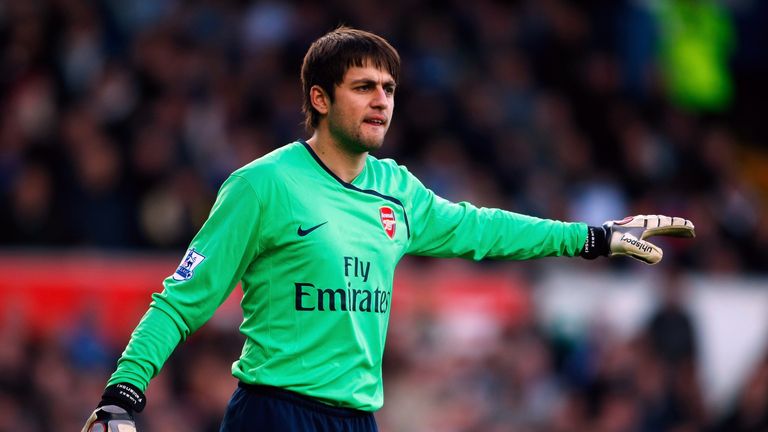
column 316, row 257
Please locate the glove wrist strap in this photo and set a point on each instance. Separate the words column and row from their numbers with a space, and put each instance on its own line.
column 125, row 395
column 596, row 244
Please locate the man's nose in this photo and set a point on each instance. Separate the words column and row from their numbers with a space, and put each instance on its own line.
column 380, row 99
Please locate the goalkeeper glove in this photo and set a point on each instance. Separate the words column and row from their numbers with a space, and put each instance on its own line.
column 627, row 237
column 115, row 411
column 110, row 418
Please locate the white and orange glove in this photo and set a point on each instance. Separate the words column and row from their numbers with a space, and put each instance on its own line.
column 627, row 237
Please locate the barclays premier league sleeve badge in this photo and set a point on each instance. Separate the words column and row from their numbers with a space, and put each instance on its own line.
column 187, row 266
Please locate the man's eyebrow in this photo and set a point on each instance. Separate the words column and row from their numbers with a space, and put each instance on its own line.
column 372, row 81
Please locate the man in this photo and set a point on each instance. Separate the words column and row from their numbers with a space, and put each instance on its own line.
column 314, row 231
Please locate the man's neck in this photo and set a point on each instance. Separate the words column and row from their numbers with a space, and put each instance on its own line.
column 346, row 165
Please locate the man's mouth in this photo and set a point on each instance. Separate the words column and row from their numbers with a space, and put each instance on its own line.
column 375, row 122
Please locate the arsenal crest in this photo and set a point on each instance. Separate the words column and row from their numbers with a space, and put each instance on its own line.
column 387, row 220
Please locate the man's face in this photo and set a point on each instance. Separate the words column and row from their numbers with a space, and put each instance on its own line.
column 359, row 116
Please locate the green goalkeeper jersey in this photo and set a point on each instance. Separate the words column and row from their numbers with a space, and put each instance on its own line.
column 316, row 257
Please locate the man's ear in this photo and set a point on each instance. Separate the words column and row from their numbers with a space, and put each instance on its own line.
column 319, row 99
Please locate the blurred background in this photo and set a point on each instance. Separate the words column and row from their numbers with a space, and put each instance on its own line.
column 119, row 120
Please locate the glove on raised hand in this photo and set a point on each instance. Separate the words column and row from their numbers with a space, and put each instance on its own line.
column 627, row 237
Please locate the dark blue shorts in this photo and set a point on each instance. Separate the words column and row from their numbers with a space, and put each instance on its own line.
column 271, row 409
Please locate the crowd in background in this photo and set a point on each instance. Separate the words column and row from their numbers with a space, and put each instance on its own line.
column 119, row 120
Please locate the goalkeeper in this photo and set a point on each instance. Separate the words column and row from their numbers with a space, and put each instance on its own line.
column 313, row 231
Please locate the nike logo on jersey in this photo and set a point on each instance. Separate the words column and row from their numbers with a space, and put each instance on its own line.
column 303, row 232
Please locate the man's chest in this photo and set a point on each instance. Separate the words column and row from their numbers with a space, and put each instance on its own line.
column 336, row 223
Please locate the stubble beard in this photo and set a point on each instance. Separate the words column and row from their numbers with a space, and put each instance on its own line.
column 353, row 141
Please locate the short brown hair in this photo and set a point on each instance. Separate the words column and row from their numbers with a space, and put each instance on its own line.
column 330, row 56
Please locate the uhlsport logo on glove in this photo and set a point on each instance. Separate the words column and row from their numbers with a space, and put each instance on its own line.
column 643, row 246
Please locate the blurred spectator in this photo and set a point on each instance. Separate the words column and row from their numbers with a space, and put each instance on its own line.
column 697, row 39
column 671, row 330
column 671, row 372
